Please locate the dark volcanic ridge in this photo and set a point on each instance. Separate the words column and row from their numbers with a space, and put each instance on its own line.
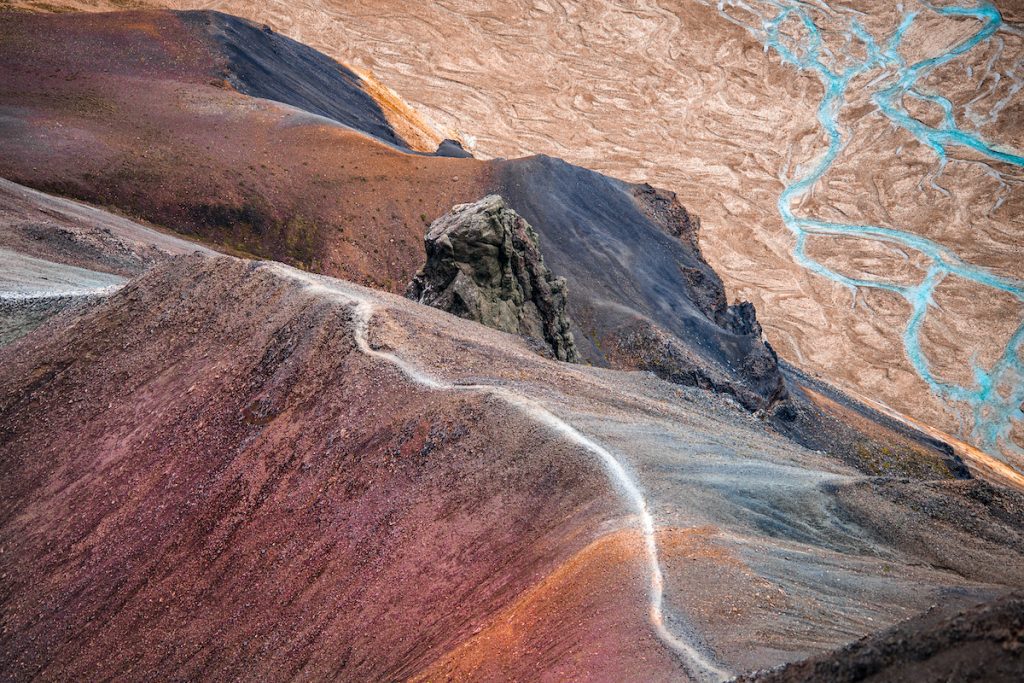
column 641, row 294
column 265, row 64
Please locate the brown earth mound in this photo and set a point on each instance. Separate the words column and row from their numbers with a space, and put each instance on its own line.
column 135, row 111
column 237, row 492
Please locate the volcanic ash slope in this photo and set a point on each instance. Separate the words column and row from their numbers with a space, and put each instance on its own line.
column 233, row 469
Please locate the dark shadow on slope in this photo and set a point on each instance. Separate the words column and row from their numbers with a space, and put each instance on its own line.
column 266, row 64
column 983, row 643
column 824, row 418
column 640, row 293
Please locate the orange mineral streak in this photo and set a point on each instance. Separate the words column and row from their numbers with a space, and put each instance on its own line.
column 417, row 131
column 978, row 461
column 697, row 543
column 571, row 617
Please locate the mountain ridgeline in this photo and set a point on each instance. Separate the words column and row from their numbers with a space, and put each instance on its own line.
column 640, row 296
column 230, row 449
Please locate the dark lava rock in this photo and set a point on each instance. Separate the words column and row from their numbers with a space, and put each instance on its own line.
column 983, row 643
column 261, row 63
column 665, row 210
column 652, row 348
column 484, row 264
column 452, row 148
column 642, row 297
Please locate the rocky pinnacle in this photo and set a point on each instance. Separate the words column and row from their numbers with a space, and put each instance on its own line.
column 484, row 264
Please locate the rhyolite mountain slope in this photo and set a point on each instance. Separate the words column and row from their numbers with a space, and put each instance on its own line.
column 226, row 468
column 137, row 111
column 233, row 469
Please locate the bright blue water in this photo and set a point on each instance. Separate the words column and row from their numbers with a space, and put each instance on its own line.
column 993, row 413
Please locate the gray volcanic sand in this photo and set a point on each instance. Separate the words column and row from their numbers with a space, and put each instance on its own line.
column 64, row 231
column 31, row 290
column 57, row 253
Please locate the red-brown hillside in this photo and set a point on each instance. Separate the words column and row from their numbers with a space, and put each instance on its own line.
column 234, row 470
column 238, row 493
column 137, row 111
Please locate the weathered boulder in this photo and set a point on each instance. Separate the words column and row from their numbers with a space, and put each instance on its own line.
column 452, row 148
column 484, row 264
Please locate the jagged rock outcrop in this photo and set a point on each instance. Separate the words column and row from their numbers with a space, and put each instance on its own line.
column 763, row 387
column 452, row 148
column 484, row 264
column 642, row 297
column 665, row 211
column 647, row 346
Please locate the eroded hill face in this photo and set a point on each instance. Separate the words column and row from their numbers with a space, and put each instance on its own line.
column 227, row 468
column 722, row 107
column 56, row 254
column 267, row 499
column 237, row 469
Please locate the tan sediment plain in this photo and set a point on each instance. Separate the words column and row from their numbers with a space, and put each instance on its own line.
column 674, row 93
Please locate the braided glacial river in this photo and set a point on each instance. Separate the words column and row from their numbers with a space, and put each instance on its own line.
column 996, row 395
